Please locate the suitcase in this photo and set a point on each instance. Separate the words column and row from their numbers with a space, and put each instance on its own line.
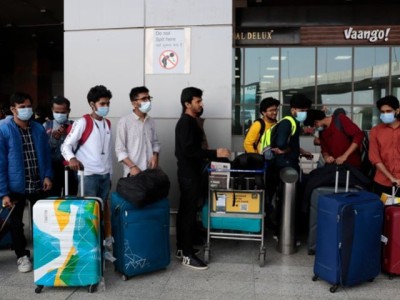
column 5, row 235
column 391, row 231
column 348, row 238
column 67, row 239
column 312, row 226
column 230, row 223
column 141, row 236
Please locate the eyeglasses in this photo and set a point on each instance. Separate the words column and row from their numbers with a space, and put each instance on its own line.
column 272, row 110
column 145, row 99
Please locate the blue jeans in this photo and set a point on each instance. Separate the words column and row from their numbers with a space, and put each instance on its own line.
column 97, row 185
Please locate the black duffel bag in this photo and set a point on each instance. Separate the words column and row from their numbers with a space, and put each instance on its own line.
column 145, row 188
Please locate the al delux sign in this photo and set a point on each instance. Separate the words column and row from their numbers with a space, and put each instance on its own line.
column 370, row 35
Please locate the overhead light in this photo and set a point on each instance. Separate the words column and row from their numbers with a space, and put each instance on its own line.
column 269, row 76
column 43, row 10
column 236, row 69
column 272, row 68
column 265, row 82
column 342, row 57
column 237, row 76
column 313, row 76
column 277, row 57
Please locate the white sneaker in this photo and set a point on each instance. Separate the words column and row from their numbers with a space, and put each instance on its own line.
column 24, row 264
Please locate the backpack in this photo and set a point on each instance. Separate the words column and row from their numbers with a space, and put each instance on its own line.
column 88, row 129
column 262, row 123
column 251, row 162
column 269, row 137
column 367, row 168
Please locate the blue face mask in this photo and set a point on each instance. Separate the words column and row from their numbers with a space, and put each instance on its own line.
column 24, row 114
column 320, row 128
column 60, row 118
column 387, row 118
column 301, row 116
column 102, row 111
column 145, row 107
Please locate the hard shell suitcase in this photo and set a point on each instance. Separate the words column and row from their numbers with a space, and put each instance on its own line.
column 141, row 236
column 312, row 226
column 391, row 231
column 67, row 239
column 348, row 238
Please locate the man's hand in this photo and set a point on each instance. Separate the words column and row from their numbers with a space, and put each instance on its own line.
column 223, row 152
column 47, row 184
column 329, row 159
column 7, row 202
column 153, row 163
column 75, row 164
column 341, row 159
column 134, row 171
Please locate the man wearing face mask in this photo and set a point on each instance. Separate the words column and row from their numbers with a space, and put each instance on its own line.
column 287, row 144
column 95, row 153
column 137, row 145
column 338, row 145
column 56, row 130
column 25, row 170
column 384, row 146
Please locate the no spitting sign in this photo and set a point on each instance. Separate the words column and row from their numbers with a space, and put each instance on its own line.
column 168, row 59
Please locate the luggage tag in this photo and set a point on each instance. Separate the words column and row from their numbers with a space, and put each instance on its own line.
column 390, row 199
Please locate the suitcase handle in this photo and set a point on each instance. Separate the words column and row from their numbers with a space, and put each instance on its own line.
column 66, row 183
column 338, row 167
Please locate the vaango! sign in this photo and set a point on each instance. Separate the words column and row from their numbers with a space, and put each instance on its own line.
column 369, row 35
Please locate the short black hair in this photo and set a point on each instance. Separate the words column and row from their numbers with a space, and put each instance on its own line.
column 97, row 92
column 392, row 101
column 268, row 102
column 18, row 98
column 60, row 100
column 136, row 91
column 188, row 94
column 314, row 115
column 300, row 101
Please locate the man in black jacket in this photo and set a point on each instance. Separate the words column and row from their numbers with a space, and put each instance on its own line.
column 190, row 155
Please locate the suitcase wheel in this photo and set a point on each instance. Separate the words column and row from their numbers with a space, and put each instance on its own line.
column 262, row 258
column 92, row 288
column 38, row 289
column 334, row 288
column 315, row 278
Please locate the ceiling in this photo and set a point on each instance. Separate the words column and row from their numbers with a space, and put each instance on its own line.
column 31, row 19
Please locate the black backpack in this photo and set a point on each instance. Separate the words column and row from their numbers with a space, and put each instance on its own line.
column 260, row 133
column 248, row 161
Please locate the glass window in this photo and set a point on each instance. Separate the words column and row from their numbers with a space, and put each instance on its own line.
column 297, row 72
column 371, row 74
column 334, row 76
column 396, row 72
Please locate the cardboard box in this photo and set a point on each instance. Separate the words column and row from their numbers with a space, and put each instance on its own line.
column 236, row 202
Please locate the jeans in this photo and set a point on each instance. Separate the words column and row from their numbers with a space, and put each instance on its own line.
column 97, row 185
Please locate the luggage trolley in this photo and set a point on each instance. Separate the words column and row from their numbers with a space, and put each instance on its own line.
column 235, row 213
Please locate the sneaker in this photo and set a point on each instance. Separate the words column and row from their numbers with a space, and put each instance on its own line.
column 24, row 264
column 179, row 253
column 192, row 261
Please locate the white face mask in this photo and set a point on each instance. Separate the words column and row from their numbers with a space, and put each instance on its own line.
column 24, row 114
column 60, row 118
column 145, row 107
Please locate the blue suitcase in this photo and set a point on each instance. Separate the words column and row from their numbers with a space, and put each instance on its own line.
column 348, row 238
column 141, row 236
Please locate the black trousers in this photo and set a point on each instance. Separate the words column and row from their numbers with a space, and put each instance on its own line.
column 186, row 219
column 16, row 221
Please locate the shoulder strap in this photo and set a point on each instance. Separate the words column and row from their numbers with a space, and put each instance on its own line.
column 262, row 123
column 293, row 122
column 88, row 129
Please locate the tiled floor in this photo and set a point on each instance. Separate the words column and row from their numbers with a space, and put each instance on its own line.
column 234, row 273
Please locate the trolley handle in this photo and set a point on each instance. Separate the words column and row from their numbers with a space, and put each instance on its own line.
column 257, row 171
column 80, row 172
